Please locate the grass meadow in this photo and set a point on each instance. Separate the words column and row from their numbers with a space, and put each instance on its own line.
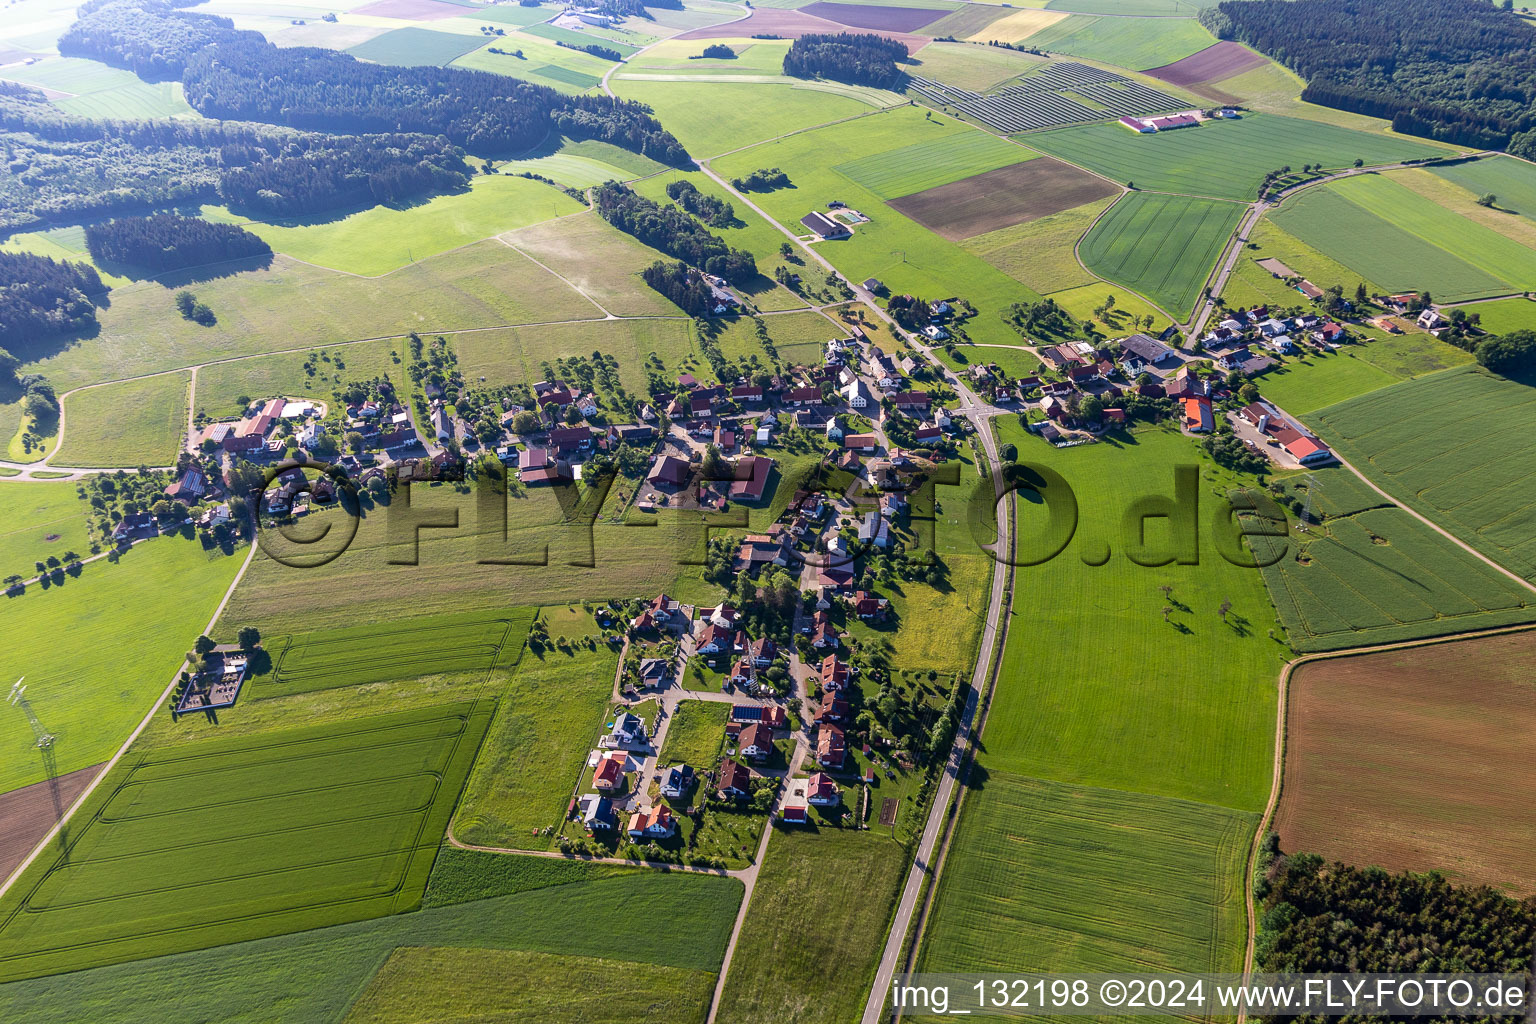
column 92, row 89
column 931, row 163
column 548, row 718
column 1504, row 315
column 126, row 424
column 1472, row 474
column 293, row 830
column 415, row 46
column 291, row 306
column 380, row 239
column 696, row 734
column 220, row 386
column 542, row 62
column 1132, row 43
column 1512, row 180
column 691, row 110
column 38, row 520
column 814, row 932
column 1162, row 246
column 317, row 975
column 1133, row 8
column 907, row 257
column 977, row 68
column 1040, row 253
column 515, row 355
column 1222, row 159
column 1315, row 380
column 600, row 260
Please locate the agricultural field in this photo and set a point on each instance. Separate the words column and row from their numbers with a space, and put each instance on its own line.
column 88, row 88
column 129, row 423
column 1470, row 474
column 1218, row 61
column 599, row 260
column 476, row 644
column 548, row 718
column 1312, row 380
column 39, row 520
column 1464, row 204
column 1504, row 315
column 996, row 200
column 1136, row 8
column 811, row 940
column 1054, row 877
column 977, row 68
column 317, row 975
column 1512, row 180
column 1162, row 246
column 542, row 62
column 696, row 734
column 1006, row 26
column 582, row 164
column 1040, row 253
column 381, row 239
column 937, row 628
column 760, row 111
column 415, row 46
column 1393, row 235
column 1387, row 759
column 291, row 305
column 282, row 821
column 1124, row 42
column 515, row 355
column 931, row 163
column 220, row 386
column 1221, row 159
column 889, row 246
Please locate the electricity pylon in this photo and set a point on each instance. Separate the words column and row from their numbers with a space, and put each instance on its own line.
column 44, row 738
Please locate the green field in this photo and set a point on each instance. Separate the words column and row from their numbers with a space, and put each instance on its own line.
column 696, row 734
column 1162, row 246
column 39, row 520
column 1039, row 253
column 1225, row 159
column 1504, row 315
column 92, row 89
column 316, row 976
column 220, row 386
column 580, row 164
column 130, row 423
column 418, row 648
column 1512, row 180
column 600, row 260
column 1471, row 474
column 977, row 68
column 1124, row 42
column 547, row 721
column 416, row 46
column 1393, row 236
column 381, row 239
column 1374, row 575
column 1052, row 877
column 292, row 830
column 813, row 934
column 691, row 111
column 542, row 62
column 1310, row 381
column 578, row 39
column 1140, row 8
column 931, row 163
column 515, row 354
column 907, row 257
column 293, row 306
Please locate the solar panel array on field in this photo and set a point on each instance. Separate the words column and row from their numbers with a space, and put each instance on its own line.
column 1051, row 98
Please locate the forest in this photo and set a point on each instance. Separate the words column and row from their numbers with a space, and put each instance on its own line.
column 66, row 168
column 148, row 37
column 857, row 59
column 712, row 210
column 682, row 285
column 1320, row 917
column 42, row 297
column 1512, row 354
column 674, row 232
column 1462, row 71
column 168, row 241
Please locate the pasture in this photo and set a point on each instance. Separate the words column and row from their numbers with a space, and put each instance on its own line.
column 1457, row 200
column 317, row 975
column 598, row 259
column 542, row 62
column 381, row 239
column 41, row 520
column 294, row 830
column 290, row 305
column 696, row 734
column 1222, row 159
column 930, row 163
column 977, row 68
column 88, row 88
column 475, row 644
column 128, row 423
column 1132, row 8
column 811, row 941
column 1388, row 761
column 1124, row 42
column 581, row 164
column 413, row 47
column 516, row 355
column 1002, row 198
column 1504, row 315
column 1040, row 253
column 1472, row 474
column 691, row 111
column 1250, row 284
column 1313, row 380
column 1513, row 181
column 1162, row 246
column 221, row 385
column 547, row 720
column 1053, row 877
column 1191, row 721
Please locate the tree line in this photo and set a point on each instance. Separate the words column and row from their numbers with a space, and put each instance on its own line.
column 855, row 58
column 43, row 297
column 683, row 285
column 1512, row 354
column 1462, row 71
column 168, row 241
column 712, row 210
column 674, row 232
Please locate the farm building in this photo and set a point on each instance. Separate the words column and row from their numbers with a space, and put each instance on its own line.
column 822, row 226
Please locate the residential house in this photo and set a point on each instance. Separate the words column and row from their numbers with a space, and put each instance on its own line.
column 833, row 673
column 536, row 466
column 861, row 442
column 597, row 812
column 821, row 791
column 912, row 402
column 442, row 423
column 653, row 823
column 653, row 673
column 735, row 780
column 668, row 471
column 569, row 440
column 676, row 781
column 1430, row 320
column 823, row 634
column 609, row 774
column 836, row 577
column 714, row 638
column 833, row 708
column 756, row 742
column 857, row 395
column 870, row 607
column 831, row 746
column 806, row 394
column 628, row 732
column 768, row 714
column 874, row 530
column 763, row 652
column 1143, row 349
column 189, row 488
